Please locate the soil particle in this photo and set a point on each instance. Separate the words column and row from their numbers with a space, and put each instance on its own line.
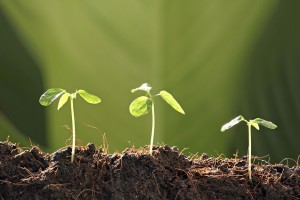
column 134, row 174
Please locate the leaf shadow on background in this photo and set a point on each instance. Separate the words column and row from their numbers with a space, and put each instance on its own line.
column 271, row 82
column 21, row 84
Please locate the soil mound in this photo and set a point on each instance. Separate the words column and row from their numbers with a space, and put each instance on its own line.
column 134, row 174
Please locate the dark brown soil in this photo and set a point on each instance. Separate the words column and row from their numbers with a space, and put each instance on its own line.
column 134, row 174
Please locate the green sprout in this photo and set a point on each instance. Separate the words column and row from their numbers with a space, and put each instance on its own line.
column 255, row 123
column 50, row 95
column 142, row 105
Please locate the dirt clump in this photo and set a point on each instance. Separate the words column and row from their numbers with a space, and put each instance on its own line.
column 134, row 174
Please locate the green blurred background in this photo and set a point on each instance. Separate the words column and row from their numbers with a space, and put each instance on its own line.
column 218, row 58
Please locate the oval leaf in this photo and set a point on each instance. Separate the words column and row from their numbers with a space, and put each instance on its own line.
column 90, row 98
column 265, row 123
column 171, row 101
column 140, row 106
column 232, row 123
column 50, row 95
column 63, row 99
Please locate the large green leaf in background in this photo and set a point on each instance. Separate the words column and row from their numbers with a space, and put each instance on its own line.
column 202, row 52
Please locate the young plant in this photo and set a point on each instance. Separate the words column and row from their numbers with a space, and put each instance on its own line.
column 255, row 123
column 143, row 104
column 50, row 95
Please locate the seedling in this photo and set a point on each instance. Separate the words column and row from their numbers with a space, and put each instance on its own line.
column 143, row 104
column 50, row 95
column 255, row 123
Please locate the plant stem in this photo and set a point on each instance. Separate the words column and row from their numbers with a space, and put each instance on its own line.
column 153, row 126
column 73, row 129
column 249, row 151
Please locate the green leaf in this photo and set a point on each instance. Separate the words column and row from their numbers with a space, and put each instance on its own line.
column 90, row 98
column 50, row 95
column 63, row 99
column 265, row 123
column 140, row 106
column 144, row 87
column 232, row 123
column 171, row 101
column 254, row 124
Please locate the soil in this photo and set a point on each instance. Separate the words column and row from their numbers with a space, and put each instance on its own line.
column 134, row 174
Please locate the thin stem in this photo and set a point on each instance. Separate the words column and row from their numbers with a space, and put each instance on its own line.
column 73, row 129
column 153, row 126
column 249, row 151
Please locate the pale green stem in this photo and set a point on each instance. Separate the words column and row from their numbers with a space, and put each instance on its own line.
column 153, row 126
column 73, row 129
column 249, row 151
